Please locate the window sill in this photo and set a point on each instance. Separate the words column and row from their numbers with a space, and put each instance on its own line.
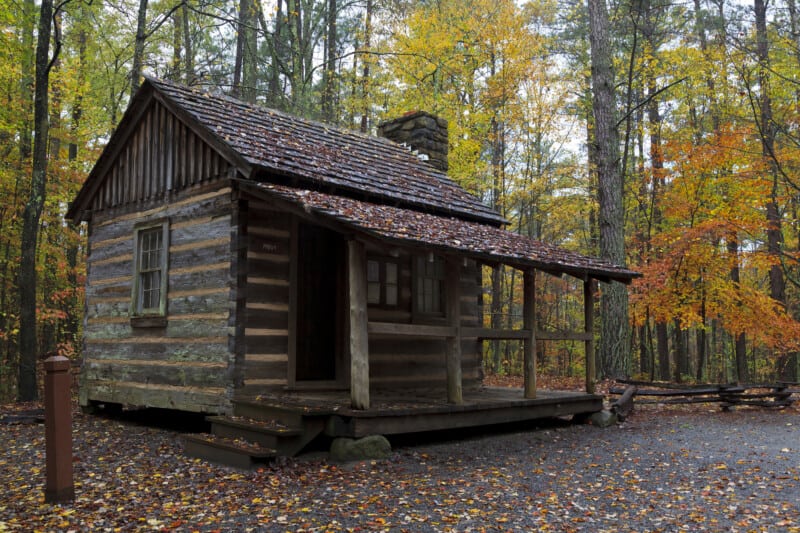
column 148, row 322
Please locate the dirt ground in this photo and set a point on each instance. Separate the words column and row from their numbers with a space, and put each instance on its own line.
column 664, row 469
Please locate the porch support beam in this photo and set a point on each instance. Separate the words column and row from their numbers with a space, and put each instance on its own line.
column 452, row 294
column 588, row 321
column 529, row 324
column 359, row 340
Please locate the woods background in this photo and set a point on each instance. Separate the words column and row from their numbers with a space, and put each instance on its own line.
column 704, row 122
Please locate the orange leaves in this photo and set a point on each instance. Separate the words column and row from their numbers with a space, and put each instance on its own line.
column 713, row 197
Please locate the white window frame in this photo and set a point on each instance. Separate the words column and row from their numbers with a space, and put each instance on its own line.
column 137, row 289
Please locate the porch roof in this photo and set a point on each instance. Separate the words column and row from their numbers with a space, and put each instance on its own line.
column 446, row 234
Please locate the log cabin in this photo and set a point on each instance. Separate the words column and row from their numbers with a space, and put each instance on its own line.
column 238, row 252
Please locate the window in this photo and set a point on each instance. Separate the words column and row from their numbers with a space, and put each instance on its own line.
column 429, row 279
column 150, row 271
column 382, row 282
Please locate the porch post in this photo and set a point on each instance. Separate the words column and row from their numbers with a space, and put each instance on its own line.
column 588, row 321
column 359, row 341
column 452, row 294
column 529, row 324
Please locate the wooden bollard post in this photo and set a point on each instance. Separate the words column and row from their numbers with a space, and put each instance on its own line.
column 59, row 485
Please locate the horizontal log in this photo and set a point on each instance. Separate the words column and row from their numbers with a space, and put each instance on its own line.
column 158, row 340
column 563, row 336
column 192, row 201
column 266, row 357
column 156, row 363
column 192, row 246
column 263, row 318
column 196, row 399
column 268, row 306
column 99, row 282
column 496, row 334
column 214, row 253
column 267, row 344
column 275, row 258
column 679, row 392
column 265, row 382
column 412, row 330
column 201, row 222
column 170, row 374
column 267, row 232
column 205, row 291
column 157, row 352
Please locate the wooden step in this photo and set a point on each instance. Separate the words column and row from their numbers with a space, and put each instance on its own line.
column 259, row 410
column 286, row 440
column 226, row 451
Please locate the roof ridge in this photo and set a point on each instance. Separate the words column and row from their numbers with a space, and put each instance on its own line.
column 327, row 154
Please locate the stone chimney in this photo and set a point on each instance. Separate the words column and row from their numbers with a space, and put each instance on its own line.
column 421, row 131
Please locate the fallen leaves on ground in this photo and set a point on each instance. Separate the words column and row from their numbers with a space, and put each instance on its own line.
column 660, row 471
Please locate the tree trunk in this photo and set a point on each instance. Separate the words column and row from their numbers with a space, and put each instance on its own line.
column 662, row 346
column 27, row 390
column 176, row 68
column 496, row 314
column 366, row 63
column 188, row 50
column 275, row 97
column 777, row 283
column 138, row 46
column 26, row 80
column 614, row 346
column 329, row 74
column 681, row 357
column 701, row 341
column 244, row 69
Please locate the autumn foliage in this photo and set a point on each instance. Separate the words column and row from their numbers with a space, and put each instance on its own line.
column 707, row 114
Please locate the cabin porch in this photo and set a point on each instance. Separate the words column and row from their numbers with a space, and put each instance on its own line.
column 394, row 412
column 285, row 423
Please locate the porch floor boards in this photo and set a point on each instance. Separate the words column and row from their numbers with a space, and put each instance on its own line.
column 405, row 411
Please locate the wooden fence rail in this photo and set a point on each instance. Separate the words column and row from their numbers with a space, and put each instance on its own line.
column 778, row 395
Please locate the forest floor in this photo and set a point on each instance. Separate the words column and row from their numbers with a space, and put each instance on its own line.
column 665, row 469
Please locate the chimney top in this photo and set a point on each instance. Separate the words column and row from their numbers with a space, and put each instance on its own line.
column 423, row 132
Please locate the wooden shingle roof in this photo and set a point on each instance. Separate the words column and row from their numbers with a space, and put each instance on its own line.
column 324, row 156
column 368, row 184
column 448, row 234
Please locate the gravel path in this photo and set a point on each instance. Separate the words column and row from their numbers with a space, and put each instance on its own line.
column 660, row 471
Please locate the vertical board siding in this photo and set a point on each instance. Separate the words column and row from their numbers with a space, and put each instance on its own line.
column 161, row 156
column 186, row 364
column 267, row 299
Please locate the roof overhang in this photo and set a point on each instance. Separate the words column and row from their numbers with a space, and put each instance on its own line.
column 404, row 227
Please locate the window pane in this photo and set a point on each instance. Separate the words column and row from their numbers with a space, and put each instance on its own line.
column 391, row 273
column 150, row 284
column 373, row 271
column 373, row 293
column 150, row 269
column 391, row 294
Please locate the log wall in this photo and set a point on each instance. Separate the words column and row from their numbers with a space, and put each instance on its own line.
column 267, row 296
column 417, row 362
column 187, row 364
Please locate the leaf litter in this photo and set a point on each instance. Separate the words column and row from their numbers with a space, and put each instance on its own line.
column 663, row 470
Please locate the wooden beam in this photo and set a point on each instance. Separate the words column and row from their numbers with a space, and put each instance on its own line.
column 410, row 330
column 359, row 339
column 495, row 334
column 452, row 293
column 588, row 318
column 529, row 323
column 563, row 335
